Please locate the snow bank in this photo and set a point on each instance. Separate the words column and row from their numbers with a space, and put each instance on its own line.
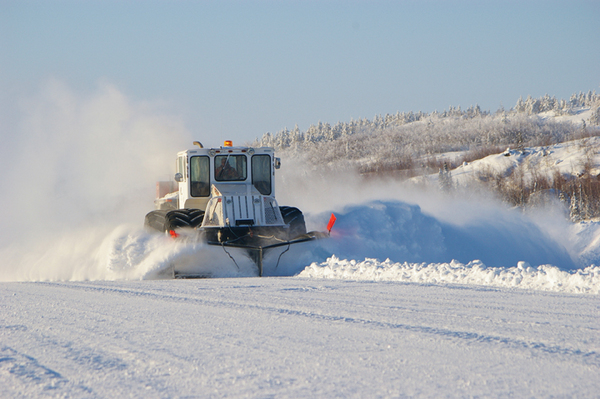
column 386, row 229
column 404, row 233
column 422, row 248
column 545, row 277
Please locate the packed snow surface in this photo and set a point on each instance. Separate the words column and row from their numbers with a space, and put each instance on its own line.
column 294, row 338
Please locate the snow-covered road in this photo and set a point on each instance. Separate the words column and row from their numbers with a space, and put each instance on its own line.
column 294, row 337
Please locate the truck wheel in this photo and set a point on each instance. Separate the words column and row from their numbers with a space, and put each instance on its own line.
column 155, row 221
column 164, row 220
column 295, row 218
column 183, row 218
column 196, row 217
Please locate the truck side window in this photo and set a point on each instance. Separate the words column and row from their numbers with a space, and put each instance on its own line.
column 261, row 173
column 200, row 176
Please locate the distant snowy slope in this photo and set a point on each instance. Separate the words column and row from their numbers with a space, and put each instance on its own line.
column 577, row 116
column 412, row 142
column 569, row 159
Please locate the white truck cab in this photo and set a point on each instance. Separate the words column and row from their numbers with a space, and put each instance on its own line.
column 233, row 186
column 198, row 169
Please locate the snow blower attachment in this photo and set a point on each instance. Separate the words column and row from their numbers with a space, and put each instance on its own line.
column 226, row 196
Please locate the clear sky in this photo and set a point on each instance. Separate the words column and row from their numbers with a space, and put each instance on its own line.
column 237, row 69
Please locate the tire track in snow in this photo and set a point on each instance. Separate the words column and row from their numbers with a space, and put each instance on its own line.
column 29, row 371
column 591, row 358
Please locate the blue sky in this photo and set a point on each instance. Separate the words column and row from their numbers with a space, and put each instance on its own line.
column 237, row 69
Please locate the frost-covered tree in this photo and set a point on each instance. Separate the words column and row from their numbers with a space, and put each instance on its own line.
column 575, row 207
column 595, row 118
column 405, row 135
column 445, row 178
column 296, row 136
column 520, row 106
column 266, row 140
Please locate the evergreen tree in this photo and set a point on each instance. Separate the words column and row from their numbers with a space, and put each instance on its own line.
column 296, row 136
column 445, row 178
column 520, row 107
column 266, row 140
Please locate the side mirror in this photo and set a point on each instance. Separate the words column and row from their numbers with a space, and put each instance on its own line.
column 178, row 177
column 277, row 163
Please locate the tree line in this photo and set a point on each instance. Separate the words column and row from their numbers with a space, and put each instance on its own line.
column 407, row 144
column 500, row 127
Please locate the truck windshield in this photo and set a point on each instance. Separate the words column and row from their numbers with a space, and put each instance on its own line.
column 231, row 168
column 200, row 176
column 261, row 173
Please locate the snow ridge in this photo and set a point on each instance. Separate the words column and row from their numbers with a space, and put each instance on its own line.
column 524, row 276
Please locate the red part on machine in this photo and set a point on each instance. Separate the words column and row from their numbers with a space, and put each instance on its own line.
column 332, row 220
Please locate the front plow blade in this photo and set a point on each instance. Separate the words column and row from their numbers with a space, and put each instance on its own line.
column 257, row 253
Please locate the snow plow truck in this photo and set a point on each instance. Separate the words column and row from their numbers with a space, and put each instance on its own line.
column 226, row 197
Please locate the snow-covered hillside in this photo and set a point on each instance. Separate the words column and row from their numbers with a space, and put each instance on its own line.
column 410, row 143
column 570, row 158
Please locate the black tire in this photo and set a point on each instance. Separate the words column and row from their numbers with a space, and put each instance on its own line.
column 295, row 219
column 164, row 220
column 183, row 218
column 155, row 221
column 196, row 217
